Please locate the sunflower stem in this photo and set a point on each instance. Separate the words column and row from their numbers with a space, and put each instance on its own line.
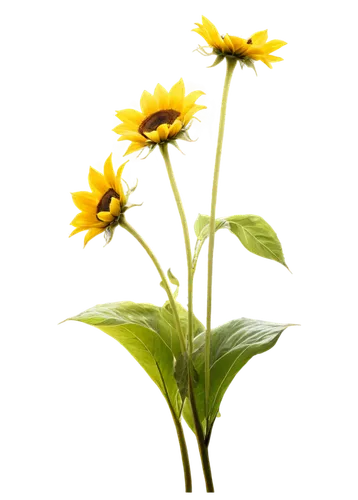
column 148, row 250
column 231, row 63
column 198, row 427
column 164, row 151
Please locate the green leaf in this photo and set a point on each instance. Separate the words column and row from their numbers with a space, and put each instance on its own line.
column 181, row 374
column 173, row 280
column 200, row 230
column 142, row 331
column 168, row 317
column 257, row 236
column 232, row 346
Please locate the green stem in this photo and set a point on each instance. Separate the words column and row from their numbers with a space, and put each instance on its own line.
column 184, row 452
column 184, row 459
column 164, row 151
column 198, row 428
column 203, row 448
column 231, row 63
column 133, row 232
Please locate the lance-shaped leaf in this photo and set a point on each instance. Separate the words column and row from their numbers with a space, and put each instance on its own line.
column 232, row 346
column 257, row 236
column 140, row 329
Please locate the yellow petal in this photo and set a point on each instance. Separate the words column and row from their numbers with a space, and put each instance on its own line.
column 190, row 100
column 148, row 103
column 229, row 43
column 273, row 45
column 115, row 207
column 130, row 116
column 127, row 127
column 189, row 115
column 162, row 97
column 91, row 234
column 259, row 38
column 176, row 96
column 269, row 59
column 119, row 187
column 97, row 182
column 105, row 216
column 78, row 230
column 153, row 136
column 84, row 201
column 133, row 148
column 204, row 34
column 163, row 131
column 175, row 128
column 85, row 219
column 238, row 43
column 132, row 136
column 213, row 33
column 108, row 172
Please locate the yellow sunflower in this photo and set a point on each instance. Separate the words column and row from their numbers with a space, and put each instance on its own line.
column 165, row 116
column 255, row 48
column 100, row 208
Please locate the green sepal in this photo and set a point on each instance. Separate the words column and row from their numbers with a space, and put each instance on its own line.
column 217, row 61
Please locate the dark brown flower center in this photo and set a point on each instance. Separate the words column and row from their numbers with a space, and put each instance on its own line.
column 153, row 121
column 249, row 41
column 103, row 205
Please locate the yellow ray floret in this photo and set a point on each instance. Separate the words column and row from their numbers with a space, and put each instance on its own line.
column 254, row 48
column 102, row 206
column 164, row 116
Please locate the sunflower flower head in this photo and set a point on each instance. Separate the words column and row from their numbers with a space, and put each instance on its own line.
column 164, row 117
column 255, row 48
column 101, row 208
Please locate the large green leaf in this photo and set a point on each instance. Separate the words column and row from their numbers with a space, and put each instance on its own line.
column 140, row 328
column 257, row 236
column 232, row 346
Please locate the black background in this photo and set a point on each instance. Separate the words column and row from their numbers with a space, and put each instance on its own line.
column 106, row 432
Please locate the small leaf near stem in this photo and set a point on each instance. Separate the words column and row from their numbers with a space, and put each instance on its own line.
column 231, row 63
column 123, row 222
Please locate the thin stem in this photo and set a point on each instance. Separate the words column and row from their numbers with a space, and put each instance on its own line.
column 146, row 247
column 184, row 454
column 198, row 428
column 231, row 63
column 203, row 449
column 164, row 151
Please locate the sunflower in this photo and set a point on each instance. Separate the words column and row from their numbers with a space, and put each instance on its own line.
column 165, row 116
column 101, row 208
column 255, row 48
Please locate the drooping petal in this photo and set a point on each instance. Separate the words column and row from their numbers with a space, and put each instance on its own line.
column 134, row 147
column 176, row 96
column 105, row 216
column 97, row 182
column 189, row 115
column 175, row 128
column 132, row 136
column 78, row 230
column 115, row 207
column 91, row 234
column 148, row 103
column 163, row 131
column 190, row 99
